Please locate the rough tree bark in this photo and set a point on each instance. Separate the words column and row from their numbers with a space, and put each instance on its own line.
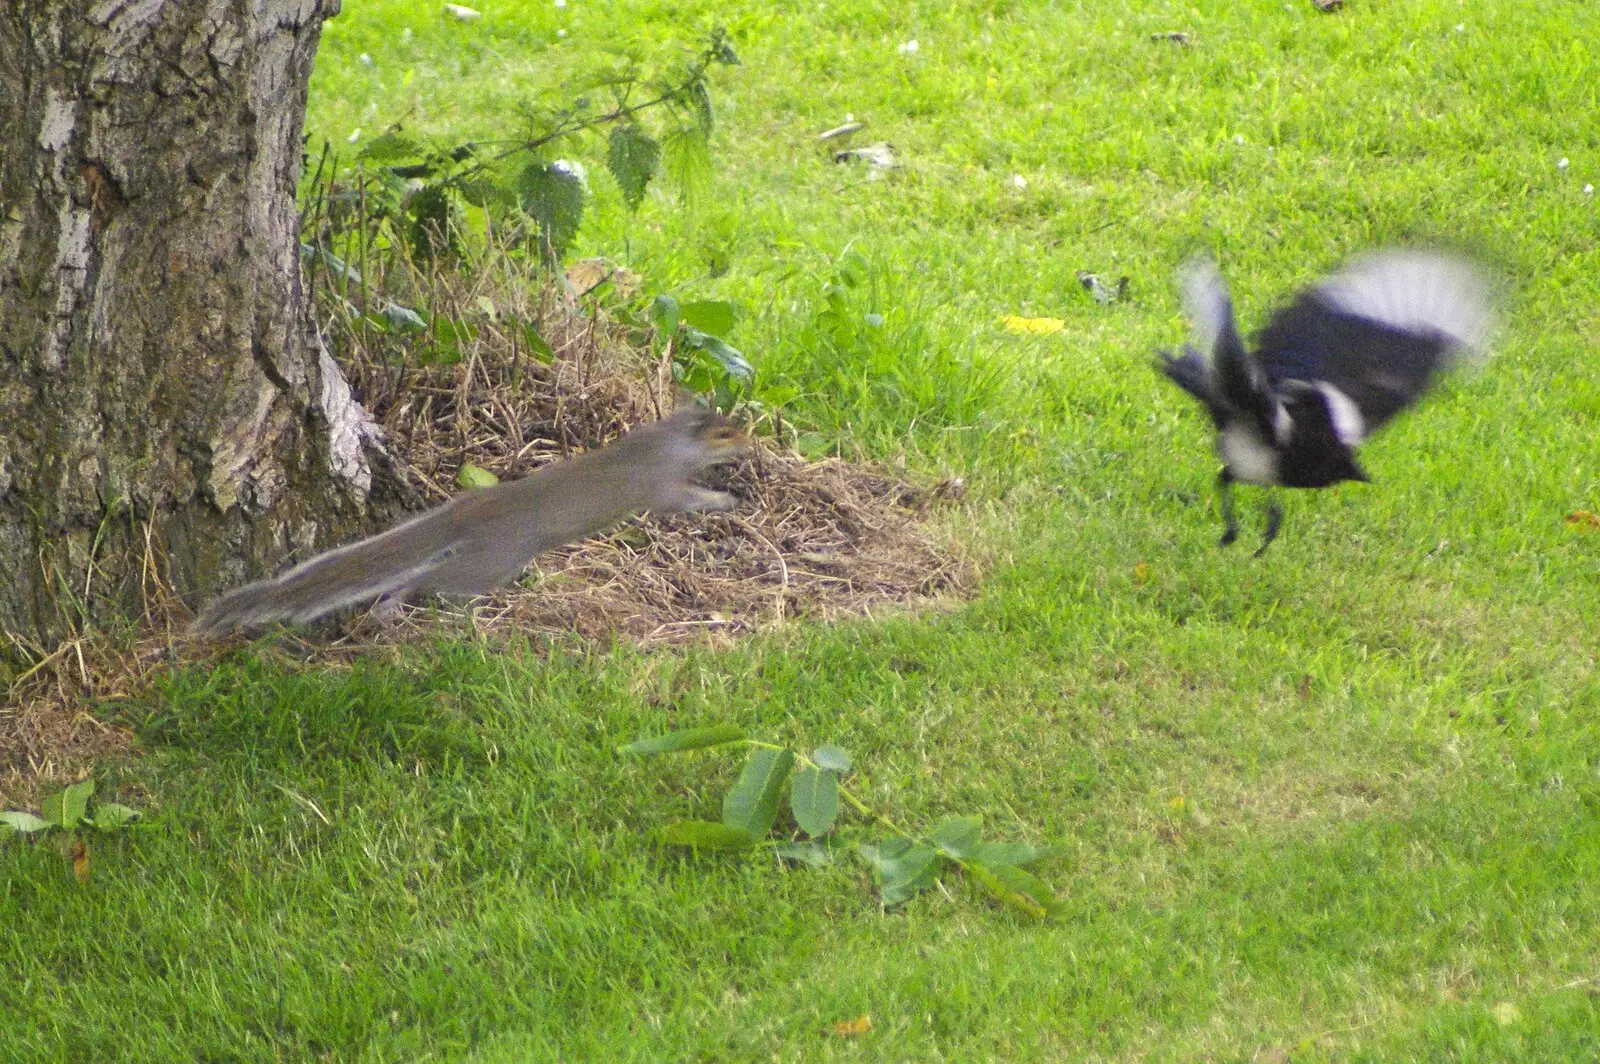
column 163, row 395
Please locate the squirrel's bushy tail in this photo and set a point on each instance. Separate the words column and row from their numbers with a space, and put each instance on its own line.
column 313, row 589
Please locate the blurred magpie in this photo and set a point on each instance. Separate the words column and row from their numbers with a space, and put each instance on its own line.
column 1332, row 367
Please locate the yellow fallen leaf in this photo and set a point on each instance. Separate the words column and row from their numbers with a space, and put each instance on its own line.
column 1032, row 326
column 1506, row 1014
column 80, row 860
column 586, row 274
column 1141, row 572
column 855, row 1028
column 1584, row 519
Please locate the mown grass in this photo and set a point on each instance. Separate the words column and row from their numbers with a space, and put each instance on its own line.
column 1342, row 802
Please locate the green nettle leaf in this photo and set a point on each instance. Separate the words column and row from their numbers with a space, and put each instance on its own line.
column 732, row 359
column 110, row 816
column 877, row 853
column 66, row 808
column 25, row 823
column 957, row 837
column 721, row 50
column 664, row 311
column 404, row 317
column 1011, row 853
column 728, row 357
column 540, row 347
column 486, row 192
column 904, row 868
column 449, row 336
column 814, row 797
column 705, row 835
column 752, row 804
column 1015, row 888
column 633, row 156
column 553, row 195
column 699, row 94
column 688, row 739
column 389, row 148
column 832, row 757
column 436, row 223
column 339, row 268
column 808, row 853
column 688, row 157
column 471, row 476
column 713, row 316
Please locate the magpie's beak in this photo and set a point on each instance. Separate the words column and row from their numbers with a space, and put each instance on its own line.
column 1359, row 474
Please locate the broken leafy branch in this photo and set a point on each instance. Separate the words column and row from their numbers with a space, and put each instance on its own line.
column 530, row 198
column 905, row 862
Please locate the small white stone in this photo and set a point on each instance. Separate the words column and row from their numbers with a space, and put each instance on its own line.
column 1238, row 138
column 909, row 47
column 1588, row 190
column 354, row 136
column 1461, row 27
column 561, row 3
column 1018, row 182
column 561, row 33
column 366, row 60
column 460, row 11
column 406, row 35
column 1563, row 164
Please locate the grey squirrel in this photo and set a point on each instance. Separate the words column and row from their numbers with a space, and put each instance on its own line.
column 486, row 537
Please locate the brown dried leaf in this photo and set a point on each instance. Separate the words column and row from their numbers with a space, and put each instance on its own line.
column 80, row 859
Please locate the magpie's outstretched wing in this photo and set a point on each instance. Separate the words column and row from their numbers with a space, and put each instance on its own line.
column 1235, row 380
column 1380, row 329
column 1191, row 372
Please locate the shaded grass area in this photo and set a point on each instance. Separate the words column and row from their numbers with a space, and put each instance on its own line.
column 1342, row 802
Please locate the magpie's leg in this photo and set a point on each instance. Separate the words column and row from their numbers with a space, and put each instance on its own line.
column 1274, row 519
column 1230, row 523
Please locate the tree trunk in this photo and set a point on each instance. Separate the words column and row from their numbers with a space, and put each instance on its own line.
column 166, row 408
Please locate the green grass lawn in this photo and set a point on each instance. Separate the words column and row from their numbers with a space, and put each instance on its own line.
column 1339, row 803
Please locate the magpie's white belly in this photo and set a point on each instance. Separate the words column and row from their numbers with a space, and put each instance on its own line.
column 1247, row 455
